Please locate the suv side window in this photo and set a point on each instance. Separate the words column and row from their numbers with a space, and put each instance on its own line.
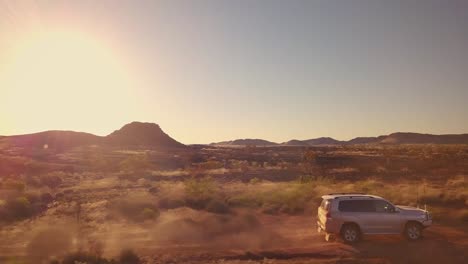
column 356, row 206
column 382, row 206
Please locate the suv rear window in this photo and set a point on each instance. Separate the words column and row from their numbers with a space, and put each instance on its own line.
column 356, row 206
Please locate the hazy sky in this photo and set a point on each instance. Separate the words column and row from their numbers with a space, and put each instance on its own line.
column 217, row 70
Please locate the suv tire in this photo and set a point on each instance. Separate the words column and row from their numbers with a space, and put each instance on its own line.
column 350, row 233
column 413, row 231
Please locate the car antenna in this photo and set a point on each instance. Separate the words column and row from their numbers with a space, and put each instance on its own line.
column 417, row 197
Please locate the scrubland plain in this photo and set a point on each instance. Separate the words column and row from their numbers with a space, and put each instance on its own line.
column 207, row 204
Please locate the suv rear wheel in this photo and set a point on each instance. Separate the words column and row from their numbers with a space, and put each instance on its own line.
column 413, row 231
column 350, row 233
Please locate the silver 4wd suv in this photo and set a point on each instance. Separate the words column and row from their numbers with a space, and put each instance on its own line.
column 351, row 215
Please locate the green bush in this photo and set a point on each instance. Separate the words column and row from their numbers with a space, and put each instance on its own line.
column 198, row 192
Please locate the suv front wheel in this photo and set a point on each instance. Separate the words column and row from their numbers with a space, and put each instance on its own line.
column 350, row 233
column 413, row 231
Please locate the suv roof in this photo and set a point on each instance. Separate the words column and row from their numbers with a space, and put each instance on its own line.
column 344, row 196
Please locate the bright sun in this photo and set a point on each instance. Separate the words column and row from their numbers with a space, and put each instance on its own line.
column 59, row 78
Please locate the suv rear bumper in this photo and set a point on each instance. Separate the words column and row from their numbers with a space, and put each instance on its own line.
column 330, row 227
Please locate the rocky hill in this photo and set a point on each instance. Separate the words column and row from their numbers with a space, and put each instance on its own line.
column 133, row 134
column 142, row 134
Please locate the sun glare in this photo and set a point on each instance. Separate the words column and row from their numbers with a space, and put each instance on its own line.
column 62, row 77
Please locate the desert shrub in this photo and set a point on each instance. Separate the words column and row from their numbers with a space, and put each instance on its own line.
column 32, row 197
column 255, row 180
column 271, row 209
column 18, row 208
column 13, row 184
column 82, row 257
column 171, row 203
column 99, row 162
column 196, row 158
column 53, row 179
column 59, row 196
column 132, row 176
column 198, row 192
column 135, row 208
column 244, row 200
column 135, row 163
column 369, row 186
column 47, row 198
column 292, row 200
column 433, row 198
column 129, row 257
column 309, row 162
column 149, row 214
column 154, row 190
column 442, row 198
column 211, row 165
column 33, row 181
column 217, row 206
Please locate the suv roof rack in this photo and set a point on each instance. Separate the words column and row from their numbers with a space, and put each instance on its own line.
column 345, row 193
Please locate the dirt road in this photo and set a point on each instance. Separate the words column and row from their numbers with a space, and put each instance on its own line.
column 184, row 235
column 293, row 239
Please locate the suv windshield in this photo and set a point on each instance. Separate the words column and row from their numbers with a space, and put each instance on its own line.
column 382, row 206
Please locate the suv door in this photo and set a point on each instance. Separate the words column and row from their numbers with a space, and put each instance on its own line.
column 387, row 218
column 360, row 211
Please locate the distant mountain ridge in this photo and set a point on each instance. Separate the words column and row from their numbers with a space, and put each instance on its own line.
column 151, row 135
column 245, row 142
column 56, row 139
column 394, row 138
column 132, row 134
